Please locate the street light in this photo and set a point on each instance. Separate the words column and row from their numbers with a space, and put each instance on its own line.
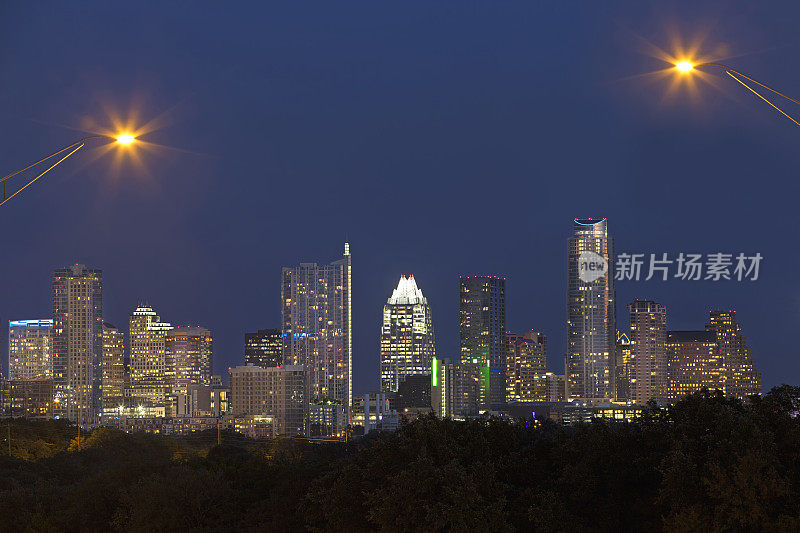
column 122, row 138
column 685, row 67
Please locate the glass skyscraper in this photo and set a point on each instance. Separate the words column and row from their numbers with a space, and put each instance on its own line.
column 316, row 326
column 483, row 331
column 407, row 341
column 591, row 312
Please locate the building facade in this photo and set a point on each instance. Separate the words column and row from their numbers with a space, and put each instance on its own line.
column 77, row 343
column 526, row 359
column 112, row 385
column 591, row 312
column 624, row 367
column 148, row 360
column 693, row 363
column 188, row 360
column 277, row 392
column 30, row 349
column 457, row 389
column 263, row 348
column 317, row 328
column 741, row 378
column 483, row 331
column 407, row 339
column 648, row 335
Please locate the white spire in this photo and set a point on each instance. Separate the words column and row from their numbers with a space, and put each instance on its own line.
column 407, row 292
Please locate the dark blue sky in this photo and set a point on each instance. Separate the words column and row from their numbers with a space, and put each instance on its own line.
column 439, row 138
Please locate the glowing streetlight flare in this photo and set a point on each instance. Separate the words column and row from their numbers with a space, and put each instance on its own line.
column 125, row 138
column 684, row 66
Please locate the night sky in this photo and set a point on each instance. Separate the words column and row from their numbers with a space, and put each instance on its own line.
column 439, row 139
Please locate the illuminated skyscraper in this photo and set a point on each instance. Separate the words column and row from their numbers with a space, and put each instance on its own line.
column 316, row 327
column 648, row 336
column 741, row 378
column 77, row 343
column 188, row 359
column 407, row 341
column 591, row 312
column 263, row 348
column 148, row 363
column 526, row 358
column 483, row 331
column 30, row 349
column 113, row 381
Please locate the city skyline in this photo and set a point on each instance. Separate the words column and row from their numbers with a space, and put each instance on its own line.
column 404, row 289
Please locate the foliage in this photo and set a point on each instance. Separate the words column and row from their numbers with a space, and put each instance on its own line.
column 707, row 463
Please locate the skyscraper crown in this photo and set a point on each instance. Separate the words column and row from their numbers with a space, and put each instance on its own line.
column 407, row 292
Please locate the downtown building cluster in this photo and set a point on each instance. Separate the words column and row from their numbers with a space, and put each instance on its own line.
column 297, row 379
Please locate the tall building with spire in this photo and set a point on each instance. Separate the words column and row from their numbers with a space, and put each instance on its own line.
column 407, row 340
column 483, row 331
column 591, row 312
column 316, row 318
column 148, row 362
column 77, row 343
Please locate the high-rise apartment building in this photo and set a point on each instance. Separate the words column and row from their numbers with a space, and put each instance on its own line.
column 263, row 348
column 483, row 331
column 407, row 340
column 77, row 343
column 188, row 359
column 148, row 360
column 277, row 392
column 694, row 363
column 30, row 349
column 741, row 378
column 526, row 359
column 112, row 385
column 648, row 336
column 591, row 312
column 317, row 327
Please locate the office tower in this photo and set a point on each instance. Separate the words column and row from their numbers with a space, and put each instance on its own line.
column 148, row 362
column 624, row 367
column 546, row 387
column 77, row 342
column 29, row 397
column 483, row 330
column 591, row 312
column 648, row 335
column 457, row 389
column 30, row 349
column 188, row 358
column 694, row 363
column 526, row 359
column 407, row 341
column 112, row 385
column 316, row 327
column 278, row 392
column 263, row 348
column 741, row 377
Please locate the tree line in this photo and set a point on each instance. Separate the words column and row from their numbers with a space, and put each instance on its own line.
column 707, row 463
